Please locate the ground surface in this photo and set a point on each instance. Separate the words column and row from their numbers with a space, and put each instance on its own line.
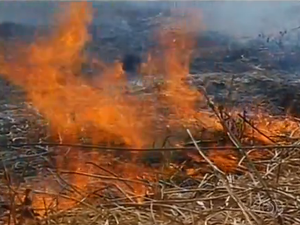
column 75, row 185
column 181, row 189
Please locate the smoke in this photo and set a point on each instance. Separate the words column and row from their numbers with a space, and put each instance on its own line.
column 250, row 18
column 236, row 17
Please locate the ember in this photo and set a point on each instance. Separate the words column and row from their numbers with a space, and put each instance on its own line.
column 158, row 119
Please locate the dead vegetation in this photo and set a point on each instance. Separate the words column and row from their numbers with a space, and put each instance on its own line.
column 223, row 180
column 234, row 160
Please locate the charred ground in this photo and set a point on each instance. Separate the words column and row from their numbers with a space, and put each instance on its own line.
column 260, row 73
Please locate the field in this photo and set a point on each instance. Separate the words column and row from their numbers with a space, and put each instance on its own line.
column 202, row 133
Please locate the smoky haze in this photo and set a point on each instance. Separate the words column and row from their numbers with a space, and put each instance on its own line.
column 238, row 18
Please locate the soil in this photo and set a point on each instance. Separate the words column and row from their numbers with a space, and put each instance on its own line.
column 242, row 77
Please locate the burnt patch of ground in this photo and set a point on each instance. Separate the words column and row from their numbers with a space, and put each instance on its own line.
column 10, row 30
column 181, row 187
column 275, row 92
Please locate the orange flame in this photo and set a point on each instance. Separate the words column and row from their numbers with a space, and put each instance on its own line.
column 177, row 42
column 45, row 71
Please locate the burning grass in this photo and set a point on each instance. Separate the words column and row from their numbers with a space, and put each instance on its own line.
column 232, row 171
column 211, row 186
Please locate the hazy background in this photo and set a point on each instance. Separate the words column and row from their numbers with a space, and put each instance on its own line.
column 237, row 17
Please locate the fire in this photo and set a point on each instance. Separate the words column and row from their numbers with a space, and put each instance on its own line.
column 104, row 112
column 178, row 41
column 176, row 46
column 46, row 71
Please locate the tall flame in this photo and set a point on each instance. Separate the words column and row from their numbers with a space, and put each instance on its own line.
column 46, row 71
column 103, row 112
column 178, row 41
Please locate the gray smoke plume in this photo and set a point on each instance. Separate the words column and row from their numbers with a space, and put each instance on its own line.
column 236, row 17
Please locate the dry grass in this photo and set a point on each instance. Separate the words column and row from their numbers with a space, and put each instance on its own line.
column 260, row 189
column 217, row 198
